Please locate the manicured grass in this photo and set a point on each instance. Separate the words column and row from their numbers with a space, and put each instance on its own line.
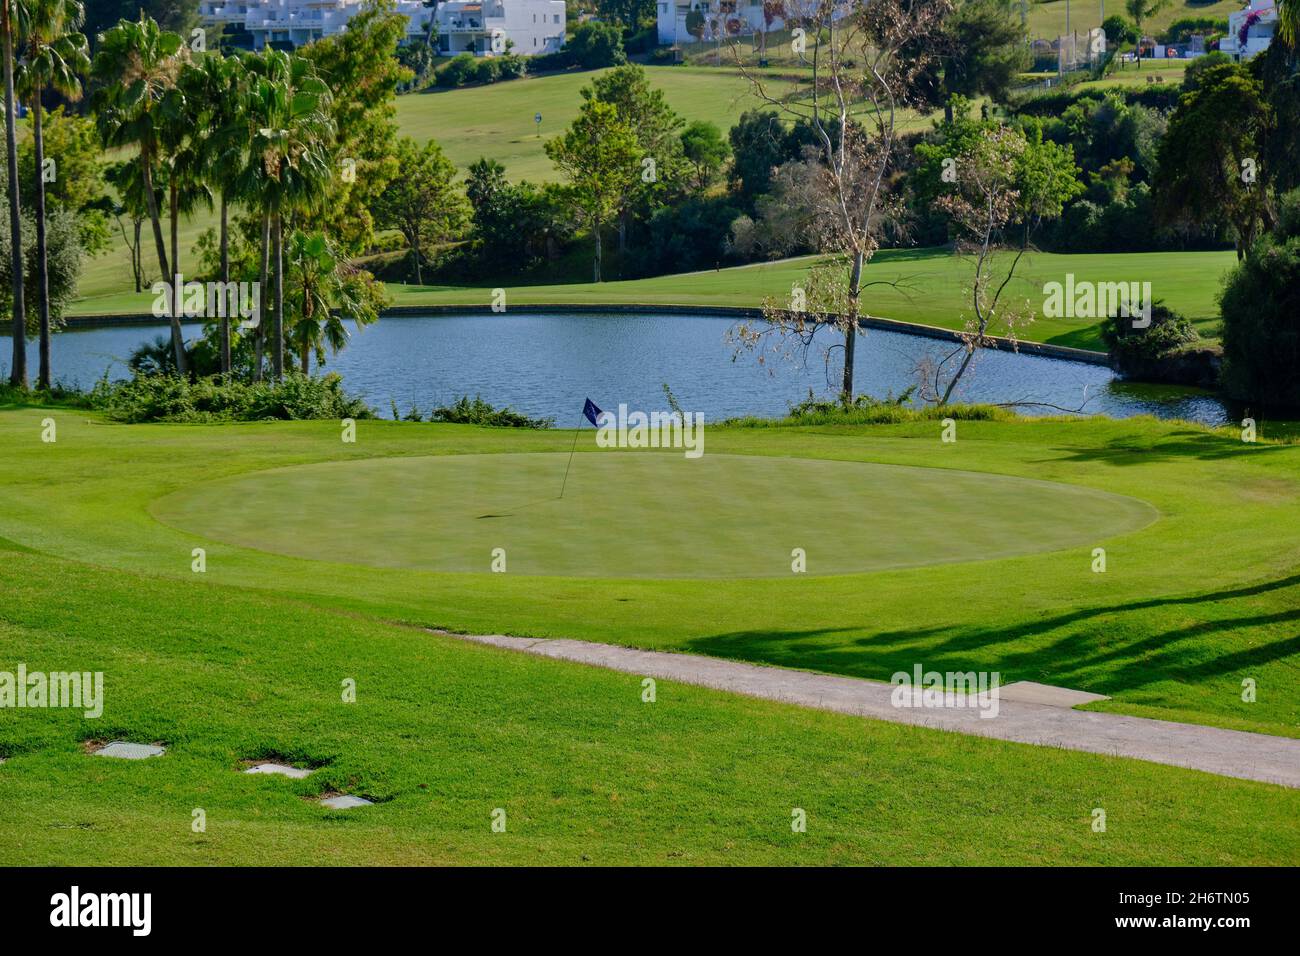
column 1047, row 19
column 246, row 661
column 931, row 288
column 645, row 516
column 497, row 120
column 1189, row 606
column 442, row 734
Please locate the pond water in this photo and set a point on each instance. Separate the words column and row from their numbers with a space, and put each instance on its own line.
column 546, row 365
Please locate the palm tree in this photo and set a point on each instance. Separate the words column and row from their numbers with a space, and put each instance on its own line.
column 135, row 67
column 55, row 57
column 9, row 11
column 292, row 149
column 215, row 89
column 183, row 149
column 326, row 290
column 1288, row 21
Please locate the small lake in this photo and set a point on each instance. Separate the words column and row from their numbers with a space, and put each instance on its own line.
column 547, row 364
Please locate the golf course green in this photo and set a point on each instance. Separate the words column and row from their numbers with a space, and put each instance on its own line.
column 633, row 514
column 225, row 652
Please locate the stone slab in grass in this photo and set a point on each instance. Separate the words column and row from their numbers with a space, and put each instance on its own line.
column 125, row 750
column 296, row 773
column 346, row 801
column 1029, row 692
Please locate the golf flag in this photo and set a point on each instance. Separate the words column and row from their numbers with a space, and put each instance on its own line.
column 590, row 411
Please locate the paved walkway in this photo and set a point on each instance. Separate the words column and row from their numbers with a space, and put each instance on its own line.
column 1231, row 753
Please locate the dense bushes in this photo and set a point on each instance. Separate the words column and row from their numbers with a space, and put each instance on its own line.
column 1181, row 30
column 467, row 411
column 152, row 398
column 1168, row 332
column 465, row 68
column 1260, row 305
column 688, row 236
column 595, row 45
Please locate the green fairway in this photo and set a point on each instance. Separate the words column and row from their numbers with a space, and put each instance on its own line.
column 656, row 515
column 498, row 120
column 245, row 660
column 930, row 288
column 1047, row 19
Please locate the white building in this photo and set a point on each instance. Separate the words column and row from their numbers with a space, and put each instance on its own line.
column 1250, row 30
column 691, row 21
column 483, row 27
column 711, row 19
column 298, row 22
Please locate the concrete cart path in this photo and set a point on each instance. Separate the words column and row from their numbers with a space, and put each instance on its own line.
column 1231, row 753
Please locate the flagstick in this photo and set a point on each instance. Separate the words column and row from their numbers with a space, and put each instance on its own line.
column 576, row 433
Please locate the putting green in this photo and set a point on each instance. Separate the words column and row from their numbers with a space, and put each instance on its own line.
column 645, row 514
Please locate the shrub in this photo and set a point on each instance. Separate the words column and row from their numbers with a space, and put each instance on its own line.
column 512, row 67
column 168, row 398
column 1260, row 305
column 595, row 45
column 1168, row 332
column 459, row 70
column 478, row 412
column 487, row 70
column 866, row 410
column 1180, row 31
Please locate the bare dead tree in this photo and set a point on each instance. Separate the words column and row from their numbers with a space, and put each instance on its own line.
column 868, row 59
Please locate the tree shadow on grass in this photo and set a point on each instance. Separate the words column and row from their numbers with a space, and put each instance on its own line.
column 1180, row 446
column 1108, row 648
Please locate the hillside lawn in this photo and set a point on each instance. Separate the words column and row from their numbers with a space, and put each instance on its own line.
column 1047, row 19
column 932, row 289
column 246, row 662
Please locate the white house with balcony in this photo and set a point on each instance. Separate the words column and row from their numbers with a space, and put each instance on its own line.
column 707, row 21
column 491, row 27
column 299, row 22
column 1250, row 30
column 691, row 21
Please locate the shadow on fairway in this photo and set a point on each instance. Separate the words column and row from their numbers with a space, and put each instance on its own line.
column 1104, row 649
column 1197, row 445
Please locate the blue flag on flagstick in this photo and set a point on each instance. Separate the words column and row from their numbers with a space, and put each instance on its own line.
column 592, row 412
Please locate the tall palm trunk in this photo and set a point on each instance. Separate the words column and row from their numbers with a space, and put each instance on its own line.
column 137, row 259
column 42, row 247
column 277, row 347
column 178, row 336
column 18, row 373
column 225, row 279
column 155, row 217
column 260, row 347
column 307, row 314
